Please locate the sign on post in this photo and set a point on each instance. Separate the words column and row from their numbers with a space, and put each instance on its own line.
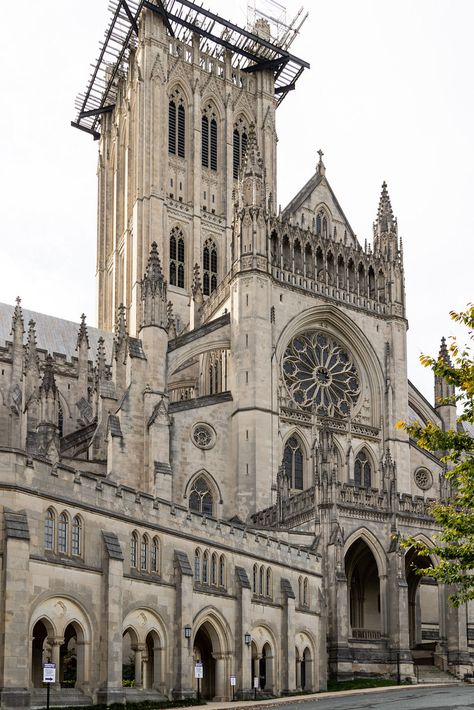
column 49, row 673
column 198, row 670
column 255, row 682
column 233, row 680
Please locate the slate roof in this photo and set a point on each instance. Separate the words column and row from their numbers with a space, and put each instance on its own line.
column 53, row 334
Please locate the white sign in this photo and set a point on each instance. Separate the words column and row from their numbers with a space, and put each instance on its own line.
column 255, row 682
column 198, row 670
column 49, row 673
column 233, row 680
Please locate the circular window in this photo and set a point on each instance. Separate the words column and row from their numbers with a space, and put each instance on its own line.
column 423, row 479
column 319, row 374
column 203, row 436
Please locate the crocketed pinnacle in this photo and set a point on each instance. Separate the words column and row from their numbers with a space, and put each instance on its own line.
column 153, row 277
column 385, row 218
column 82, row 336
column 443, row 352
column 120, row 325
column 17, row 318
column 48, row 384
column 252, row 162
column 100, row 366
column 197, row 287
column 31, row 350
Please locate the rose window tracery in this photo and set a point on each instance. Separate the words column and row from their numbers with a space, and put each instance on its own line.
column 321, row 375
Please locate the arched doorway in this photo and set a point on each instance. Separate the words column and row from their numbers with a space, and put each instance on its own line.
column 41, row 651
column 131, row 658
column 203, row 651
column 68, row 658
column 152, row 662
column 363, row 590
column 423, row 609
column 306, row 670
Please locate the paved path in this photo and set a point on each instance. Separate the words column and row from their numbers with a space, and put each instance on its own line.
column 422, row 697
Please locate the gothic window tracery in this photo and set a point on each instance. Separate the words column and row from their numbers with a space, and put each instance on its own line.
column 61, row 535
column 362, row 470
column 320, row 375
column 200, row 497
column 177, row 257
column 293, row 462
column 209, row 267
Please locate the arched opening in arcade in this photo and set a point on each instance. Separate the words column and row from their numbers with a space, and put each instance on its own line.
column 210, row 649
column 67, row 652
column 262, row 667
column 423, row 608
column 304, row 668
column 363, row 584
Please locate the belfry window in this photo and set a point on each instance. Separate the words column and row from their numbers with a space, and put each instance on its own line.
column 293, row 462
column 240, row 137
column 209, row 139
column 209, row 267
column 177, row 260
column 200, row 497
column 176, row 125
column 362, row 470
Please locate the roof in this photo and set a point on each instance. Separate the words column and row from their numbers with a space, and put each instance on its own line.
column 54, row 335
column 250, row 52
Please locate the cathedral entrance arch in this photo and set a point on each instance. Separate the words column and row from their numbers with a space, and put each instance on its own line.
column 424, row 605
column 211, row 647
column 263, row 660
column 364, row 593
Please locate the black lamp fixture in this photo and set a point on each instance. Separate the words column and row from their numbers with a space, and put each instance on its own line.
column 187, row 631
column 247, row 639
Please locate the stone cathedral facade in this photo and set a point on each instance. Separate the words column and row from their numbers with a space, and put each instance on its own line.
column 215, row 473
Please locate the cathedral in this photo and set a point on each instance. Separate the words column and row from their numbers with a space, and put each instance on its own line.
column 213, row 478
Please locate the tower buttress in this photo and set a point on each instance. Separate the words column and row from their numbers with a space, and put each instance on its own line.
column 82, row 347
column 48, row 434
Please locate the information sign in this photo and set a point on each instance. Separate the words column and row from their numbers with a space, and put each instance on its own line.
column 49, row 673
column 233, row 680
column 198, row 670
column 255, row 682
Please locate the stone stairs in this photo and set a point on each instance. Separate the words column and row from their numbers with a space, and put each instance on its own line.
column 432, row 674
column 59, row 698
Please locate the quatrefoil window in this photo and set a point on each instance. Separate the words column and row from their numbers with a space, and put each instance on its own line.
column 320, row 375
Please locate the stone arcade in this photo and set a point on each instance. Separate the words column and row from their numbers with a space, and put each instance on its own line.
column 214, row 474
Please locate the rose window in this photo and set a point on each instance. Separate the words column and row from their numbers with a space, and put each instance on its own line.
column 423, row 479
column 319, row 374
column 203, row 436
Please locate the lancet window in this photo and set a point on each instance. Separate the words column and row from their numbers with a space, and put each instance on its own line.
column 209, row 267
column 61, row 535
column 209, row 139
column 177, row 257
column 144, row 553
column 176, row 125
column 293, row 462
column 240, row 138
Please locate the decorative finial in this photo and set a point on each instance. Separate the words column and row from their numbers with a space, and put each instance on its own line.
column 48, row 383
column 17, row 319
column 82, row 336
column 120, row 324
column 443, row 352
column 320, row 167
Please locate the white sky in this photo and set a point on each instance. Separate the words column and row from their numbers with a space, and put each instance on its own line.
column 388, row 97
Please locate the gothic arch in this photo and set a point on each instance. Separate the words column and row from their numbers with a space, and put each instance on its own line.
column 333, row 321
column 216, row 104
column 372, row 543
column 141, row 621
column 364, row 446
column 262, row 632
column 219, row 629
column 195, row 349
column 180, row 84
column 421, row 537
column 294, row 431
column 210, row 480
column 61, row 610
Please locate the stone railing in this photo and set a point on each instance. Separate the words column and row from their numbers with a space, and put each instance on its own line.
column 294, row 507
column 364, row 497
column 415, row 505
column 181, row 394
column 366, row 634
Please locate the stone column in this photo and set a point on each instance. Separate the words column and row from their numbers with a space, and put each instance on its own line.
column 183, row 649
column 243, row 652
column 56, row 642
column 221, row 681
column 83, row 655
column 157, row 661
column 398, row 613
column 138, row 649
column 288, row 670
column 110, row 690
column 15, row 593
column 459, row 661
column 298, row 672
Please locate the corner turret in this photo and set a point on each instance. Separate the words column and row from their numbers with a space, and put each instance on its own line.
column 444, row 392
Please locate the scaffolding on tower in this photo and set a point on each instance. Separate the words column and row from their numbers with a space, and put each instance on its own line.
column 250, row 51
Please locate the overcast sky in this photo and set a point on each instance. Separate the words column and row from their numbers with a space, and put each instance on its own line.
column 388, row 97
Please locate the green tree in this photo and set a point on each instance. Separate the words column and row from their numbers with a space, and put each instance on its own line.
column 454, row 546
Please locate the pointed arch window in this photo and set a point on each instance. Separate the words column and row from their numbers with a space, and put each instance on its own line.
column 134, row 550
column 209, row 267
column 63, row 526
column 205, row 568
column 255, row 576
column 222, row 571
column 200, row 497
column 293, row 462
column 209, row 139
column 214, row 569
column 197, row 565
column 144, row 554
column 268, row 583
column 155, row 555
column 49, row 530
column 176, row 125
column 177, row 257
column 240, row 138
column 77, row 536
column 362, row 470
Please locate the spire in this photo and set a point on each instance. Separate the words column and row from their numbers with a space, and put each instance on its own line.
column 443, row 352
column 320, row 167
column 17, row 320
column 386, row 228
column 153, row 291
column 100, row 365
column 82, row 336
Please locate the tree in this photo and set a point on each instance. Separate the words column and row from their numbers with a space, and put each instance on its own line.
column 454, row 546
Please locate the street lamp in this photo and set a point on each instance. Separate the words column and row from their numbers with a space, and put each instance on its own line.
column 247, row 639
column 187, row 631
